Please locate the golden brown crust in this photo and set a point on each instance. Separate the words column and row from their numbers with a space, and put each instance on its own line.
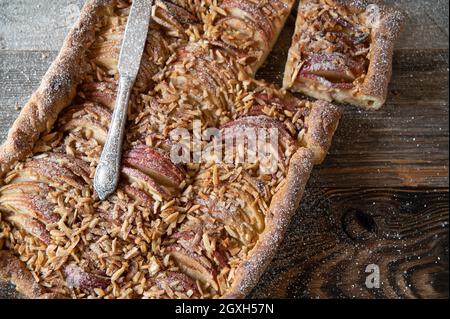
column 379, row 73
column 283, row 207
column 56, row 92
column 321, row 123
column 372, row 92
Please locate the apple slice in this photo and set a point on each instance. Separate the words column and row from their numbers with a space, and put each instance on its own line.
column 314, row 80
column 33, row 206
column 89, row 127
column 184, row 281
column 94, row 110
column 106, row 53
column 242, row 32
column 209, row 77
column 172, row 18
column 282, row 103
column 146, row 183
column 100, row 92
column 250, row 11
column 178, row 13
column 194, row 265
column 235, row 52
column 45, row 171
column 25, row 188
column 335, row 67
column 194, row 244
column 149, row 68
column 78, row 278
column 31, row 226
column 77, row 166
column 344, row 29
column 92, row 118
column 99, row 132
column 158, row 52
column 232, row 129
column 250, row 208
column 140, row 196
column 156, row 165
column 200, row 84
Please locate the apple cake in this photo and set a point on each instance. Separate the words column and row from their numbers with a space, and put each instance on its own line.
column 199, row 229
column 342, row 51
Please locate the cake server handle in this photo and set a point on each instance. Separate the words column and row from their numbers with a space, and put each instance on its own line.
column 107, row 175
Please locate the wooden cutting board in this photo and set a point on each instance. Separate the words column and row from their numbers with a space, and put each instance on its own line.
column 378, row 203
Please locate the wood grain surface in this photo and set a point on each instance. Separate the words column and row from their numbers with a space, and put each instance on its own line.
column 381, row 197
column 338, row 233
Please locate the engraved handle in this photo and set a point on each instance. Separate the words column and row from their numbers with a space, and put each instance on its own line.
column 108, row 170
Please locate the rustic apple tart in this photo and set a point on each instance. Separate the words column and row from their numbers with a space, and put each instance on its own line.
column 205, row 227
column 342, row 51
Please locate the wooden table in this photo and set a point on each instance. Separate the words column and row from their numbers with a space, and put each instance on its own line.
column 381, row 198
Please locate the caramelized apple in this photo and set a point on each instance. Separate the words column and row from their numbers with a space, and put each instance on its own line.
column 334, row 67
column 180, row 14
column 141, row 197
column 78, row 278
column 92, row 118
column 77, row 166
column 91, row 128
column 256, row 123
column 250, row 12
column 154, row 164
column 32, row 226
column 194, row 265
column 146, row 183
column 46, row 171
column 33, row 206
column 25, row 188
column 100, row 92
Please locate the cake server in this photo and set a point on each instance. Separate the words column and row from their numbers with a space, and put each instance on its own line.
column 108, row 170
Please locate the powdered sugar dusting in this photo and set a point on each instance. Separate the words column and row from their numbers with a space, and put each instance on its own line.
column 121, row 252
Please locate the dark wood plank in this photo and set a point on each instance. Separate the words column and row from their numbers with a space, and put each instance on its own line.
column 337, row 233
column 427, row 23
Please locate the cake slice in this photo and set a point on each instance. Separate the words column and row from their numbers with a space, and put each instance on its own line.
column 342, row 51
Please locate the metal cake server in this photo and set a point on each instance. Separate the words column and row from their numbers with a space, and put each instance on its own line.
column 108, row 170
